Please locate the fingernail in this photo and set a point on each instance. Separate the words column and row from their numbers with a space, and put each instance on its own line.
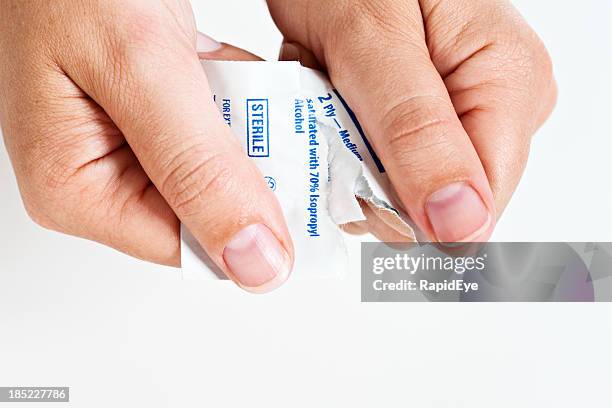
column 458, row 214
column 289, row 52
column 206, row 43
column 257, row 260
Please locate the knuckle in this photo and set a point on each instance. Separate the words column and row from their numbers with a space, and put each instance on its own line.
column 147, row 28
column 39, row 215
column 416, row 135
column 545, row 66
column 544, row 61
column 362, row 14
column 534, row 67
column 44, row 171
column 531, row 48
column 195, row 177
column 55, row 194
column 51, row 169
column 130, row 52
column 417, row 124
column 549, row 93
column 143, row 37
column 355, row 25
column 525, row 49
column 133, row 51
column 40, row 207
column 134, row 43
column 367, row 16
column 351, row 23
column 136, row 21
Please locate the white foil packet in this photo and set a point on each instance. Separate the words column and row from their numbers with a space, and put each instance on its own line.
column 312, row 152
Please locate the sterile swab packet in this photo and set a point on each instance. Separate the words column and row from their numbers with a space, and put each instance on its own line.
column 312, row 152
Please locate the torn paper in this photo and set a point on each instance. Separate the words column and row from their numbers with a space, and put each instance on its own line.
column 311, row 151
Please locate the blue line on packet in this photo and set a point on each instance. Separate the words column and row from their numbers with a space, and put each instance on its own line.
column 351, row 114
column 258, row 128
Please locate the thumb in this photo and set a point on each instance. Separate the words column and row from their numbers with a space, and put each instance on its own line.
column 404, row 107
column 163, row 105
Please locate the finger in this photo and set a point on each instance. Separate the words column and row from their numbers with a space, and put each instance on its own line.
column 386, row 222
column 296, row 52
column 501, row 83
column 355, row 228
column 168, row 117
column 74, row 168
column 405, row 108
column 209, row 48
column 384, row 225
column 76, row 174
column 429, row 157
column 500, row 131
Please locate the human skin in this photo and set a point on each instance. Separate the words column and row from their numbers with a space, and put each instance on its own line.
column 113, row 135
column 449, row 91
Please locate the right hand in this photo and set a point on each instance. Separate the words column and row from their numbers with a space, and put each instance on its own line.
column 113, row 135
column 449, row 92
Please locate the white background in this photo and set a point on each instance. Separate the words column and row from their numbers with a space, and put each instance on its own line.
column 122, row 332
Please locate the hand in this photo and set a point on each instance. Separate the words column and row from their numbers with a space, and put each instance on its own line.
column 449, row 91
column 113, row 134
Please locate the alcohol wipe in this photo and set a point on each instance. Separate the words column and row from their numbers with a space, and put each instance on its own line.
column 312, row 153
